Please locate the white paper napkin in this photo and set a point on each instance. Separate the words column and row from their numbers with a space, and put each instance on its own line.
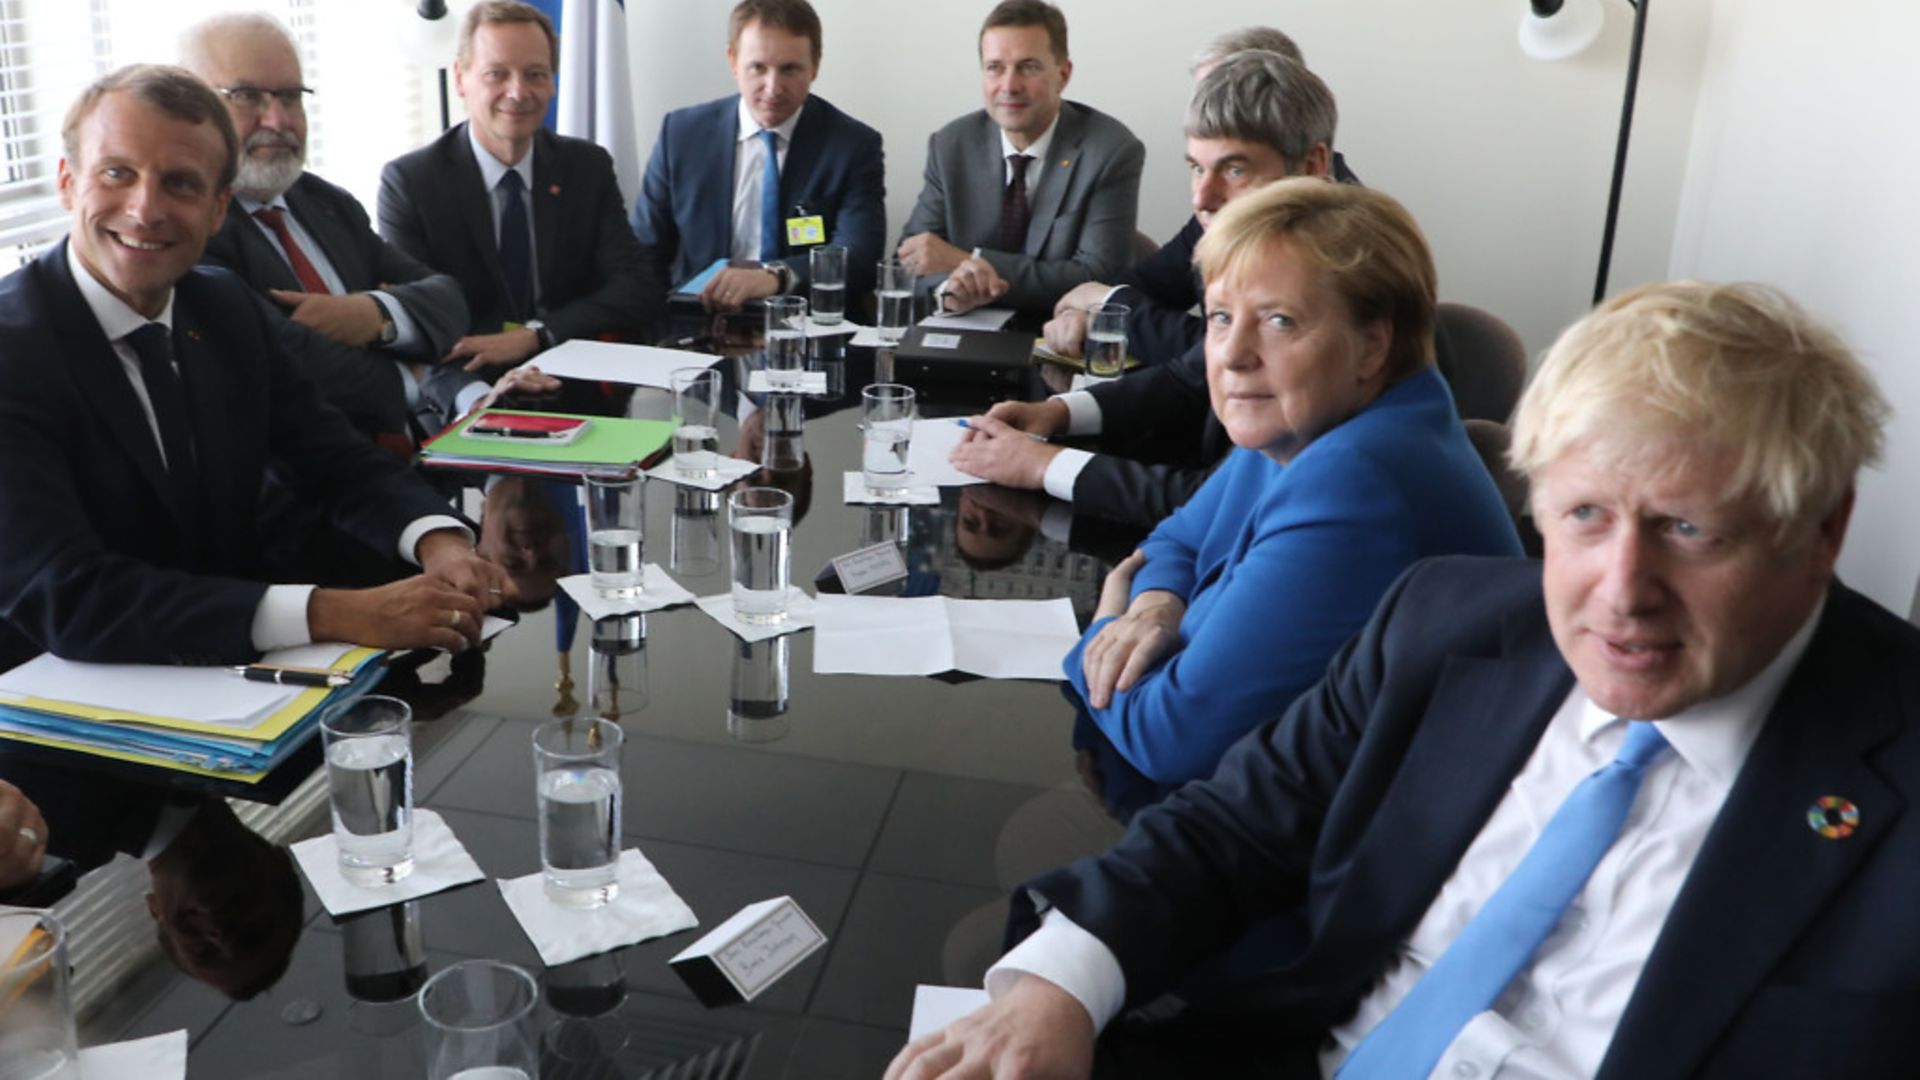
column 868, row 337
column 645, row 907
column 844, row 326
column 730, row 469
column 809, row 382
column 657, row 591
column 440, row 862
column 156, row 1057
column 800, row 615
column 855, row 490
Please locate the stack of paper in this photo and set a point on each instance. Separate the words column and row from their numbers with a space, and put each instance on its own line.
column 201, row 720
column 611, row 447
column 605, row 361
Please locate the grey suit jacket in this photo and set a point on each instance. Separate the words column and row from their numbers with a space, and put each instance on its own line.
column 362, row 382
column 1084, row 207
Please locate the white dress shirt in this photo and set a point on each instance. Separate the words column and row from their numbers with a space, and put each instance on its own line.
column 1556, row 1019
column 281, row 619
column 491, row 170
column 1037, row 150
column 1083, row 418
column 749, row 168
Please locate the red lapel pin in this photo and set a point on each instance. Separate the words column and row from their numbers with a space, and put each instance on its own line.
column 553, row 189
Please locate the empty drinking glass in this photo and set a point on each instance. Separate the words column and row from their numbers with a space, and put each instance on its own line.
column 480, row 1016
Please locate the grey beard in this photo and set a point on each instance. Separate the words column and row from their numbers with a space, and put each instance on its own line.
column 265, row 181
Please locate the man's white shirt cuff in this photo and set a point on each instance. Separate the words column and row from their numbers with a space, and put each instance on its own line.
column 1083, row 412
column 408, row 336
column 1063, row 472
column 1070, row 958
column 410, row 537
column 280, row 622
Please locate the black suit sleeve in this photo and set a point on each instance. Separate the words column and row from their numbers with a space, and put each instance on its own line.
column 626, row 297
column 652, row 221
column 1162, row 290
column 1158, row 443
column 399, row 220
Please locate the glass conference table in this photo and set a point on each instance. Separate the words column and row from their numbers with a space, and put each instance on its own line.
column 898, row 812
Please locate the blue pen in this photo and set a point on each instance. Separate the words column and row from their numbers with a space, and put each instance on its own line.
column 962, row 421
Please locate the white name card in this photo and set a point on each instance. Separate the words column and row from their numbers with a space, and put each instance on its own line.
column 866, row 567
column 749, row 952
column 940, row 341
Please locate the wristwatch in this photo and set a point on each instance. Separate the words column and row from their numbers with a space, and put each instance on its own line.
column 782, row 276
column 389, row 330
column 540, row 333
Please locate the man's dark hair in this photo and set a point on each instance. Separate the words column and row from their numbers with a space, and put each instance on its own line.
column 1031, row 13
column 173, row 90
column 794, row 16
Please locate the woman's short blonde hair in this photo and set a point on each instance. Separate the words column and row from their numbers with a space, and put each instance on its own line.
column 1365, row 243
column 1740, row 367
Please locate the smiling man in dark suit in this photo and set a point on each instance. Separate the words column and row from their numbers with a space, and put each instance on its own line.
column 531, row 223
column 369, row 321
column 142, row 403
column 1636, row 812
column 1032, row 195
column 705, row 194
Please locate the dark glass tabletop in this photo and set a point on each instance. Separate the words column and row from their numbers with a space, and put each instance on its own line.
column 897, row 812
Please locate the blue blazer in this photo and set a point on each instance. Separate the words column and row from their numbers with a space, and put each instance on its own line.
column 96, row 563
column 1281, row 564
column 835, row 168
column 1785, row 954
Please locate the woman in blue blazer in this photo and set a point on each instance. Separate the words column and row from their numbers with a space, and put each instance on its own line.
column 1349, row 465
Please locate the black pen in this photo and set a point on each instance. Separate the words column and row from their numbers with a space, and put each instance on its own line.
column 291, row 676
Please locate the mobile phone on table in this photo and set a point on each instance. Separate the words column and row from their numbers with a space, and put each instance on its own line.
column 527, row 427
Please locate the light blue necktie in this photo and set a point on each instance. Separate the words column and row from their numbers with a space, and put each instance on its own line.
column 770, row 198
column 1471, row 975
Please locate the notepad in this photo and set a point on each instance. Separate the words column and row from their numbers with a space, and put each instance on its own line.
column 612, row 447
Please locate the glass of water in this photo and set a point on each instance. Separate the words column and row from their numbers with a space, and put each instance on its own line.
column 757, row 707
column 480, row 1016
column 827, row 267
column 895, row 300
column 576, row 766
column 1106, row 340
column 616, row 526
column 762, row 524
column 696, row 441
column 369, row 752
column 786, row 342
column 36, row 1014
column 886, row 435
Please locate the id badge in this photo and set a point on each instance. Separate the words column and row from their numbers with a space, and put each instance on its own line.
column 806, row 231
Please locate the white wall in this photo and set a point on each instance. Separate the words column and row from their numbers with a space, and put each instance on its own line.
column 1504, row 160
column 1802, row 174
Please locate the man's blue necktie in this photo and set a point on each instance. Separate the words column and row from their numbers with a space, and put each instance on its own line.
column 1471, row 975
column 770, row 198
column 516, row 250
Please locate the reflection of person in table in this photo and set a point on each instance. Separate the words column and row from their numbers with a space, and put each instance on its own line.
column 995, row 526
column 522, row 532
column 225, row 903
column 23, row 837
column 1350, row 465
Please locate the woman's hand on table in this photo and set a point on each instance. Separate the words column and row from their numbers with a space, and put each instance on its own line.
column 1143, row 631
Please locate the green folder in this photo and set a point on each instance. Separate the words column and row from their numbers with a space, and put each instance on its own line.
column 609, row 447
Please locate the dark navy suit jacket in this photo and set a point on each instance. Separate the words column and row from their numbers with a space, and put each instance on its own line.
column 595, row 281
column 96, row 562
column 1785, row 954
column 834, row 168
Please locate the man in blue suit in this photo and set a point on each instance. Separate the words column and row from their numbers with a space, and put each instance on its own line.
column 711, row 192
column 1636, row 812
column 143, row 403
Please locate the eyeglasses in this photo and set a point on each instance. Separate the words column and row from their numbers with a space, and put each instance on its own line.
column 254, row 98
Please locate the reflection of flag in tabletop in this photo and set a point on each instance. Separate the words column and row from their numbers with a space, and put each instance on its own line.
column 595, row 99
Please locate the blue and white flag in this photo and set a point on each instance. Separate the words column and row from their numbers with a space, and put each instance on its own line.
column 596, row 98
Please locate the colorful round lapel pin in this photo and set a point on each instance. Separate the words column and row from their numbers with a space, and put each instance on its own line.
column 1833, row 817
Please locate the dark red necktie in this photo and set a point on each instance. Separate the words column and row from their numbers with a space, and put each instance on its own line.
column 1014, row 211
column 276, row 219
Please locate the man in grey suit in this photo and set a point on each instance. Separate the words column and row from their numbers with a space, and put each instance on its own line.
column 1033, row 195
column 368, row 321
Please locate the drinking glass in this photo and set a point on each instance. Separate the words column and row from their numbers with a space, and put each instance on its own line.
column 786, row 341
column 696, row 440
column 576, row 766
column 761, row 519
column 1106, row 347
column 894, row 293
column 616, row 530
column 617, row 675
column 757, row 705
column 695, row 547
column 886, row 436
column 827, row 267
column 480, row 1016
column 369, row 752
column 36, row 1013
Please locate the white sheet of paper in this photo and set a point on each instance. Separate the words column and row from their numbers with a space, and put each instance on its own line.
column 926, row 635
column 985, row 318
column 212, row 695
column 934, row 1007
column 933, row 440
column 156, row 1057
column 638, row 365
